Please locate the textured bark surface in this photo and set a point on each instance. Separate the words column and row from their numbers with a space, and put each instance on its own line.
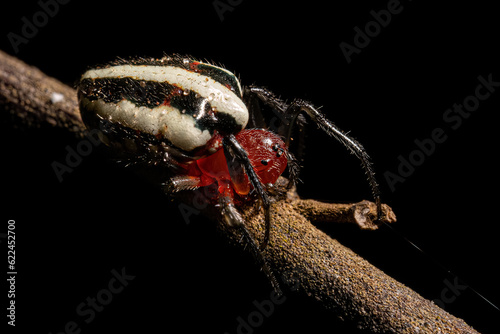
column 339, row 279
column 34, row 99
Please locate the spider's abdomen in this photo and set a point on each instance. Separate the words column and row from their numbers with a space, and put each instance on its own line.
column 175, row 99
column 266, row 152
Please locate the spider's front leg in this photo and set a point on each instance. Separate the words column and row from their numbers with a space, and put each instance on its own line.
column 291, row 113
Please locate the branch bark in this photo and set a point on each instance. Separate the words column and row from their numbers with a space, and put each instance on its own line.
column 33, row 99
column 327, row 272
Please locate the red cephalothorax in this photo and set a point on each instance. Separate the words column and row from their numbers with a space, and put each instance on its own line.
column 267, row 154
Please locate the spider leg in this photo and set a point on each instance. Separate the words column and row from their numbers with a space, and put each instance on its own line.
column 182, row 182
column 256, row 118
column 235, row 152
column 232, row 217
column 251, row 96
column 278, row 105
column 297, row 106
column 293, row 169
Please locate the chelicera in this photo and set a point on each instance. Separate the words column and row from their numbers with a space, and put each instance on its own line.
column 195, row 121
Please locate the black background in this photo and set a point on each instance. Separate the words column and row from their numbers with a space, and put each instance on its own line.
column 70, row 235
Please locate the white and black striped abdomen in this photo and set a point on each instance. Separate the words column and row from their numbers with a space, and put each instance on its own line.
column 173, row 98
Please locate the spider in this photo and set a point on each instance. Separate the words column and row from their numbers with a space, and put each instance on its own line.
column 197, row 123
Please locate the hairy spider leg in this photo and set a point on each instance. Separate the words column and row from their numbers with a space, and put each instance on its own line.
column 257, row 119
column 291, row 112
column 233, row 148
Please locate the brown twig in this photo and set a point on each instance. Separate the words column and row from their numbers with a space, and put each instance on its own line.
column 34, row 99
column 362, row 214
column 338, row 278
column 327, row 272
